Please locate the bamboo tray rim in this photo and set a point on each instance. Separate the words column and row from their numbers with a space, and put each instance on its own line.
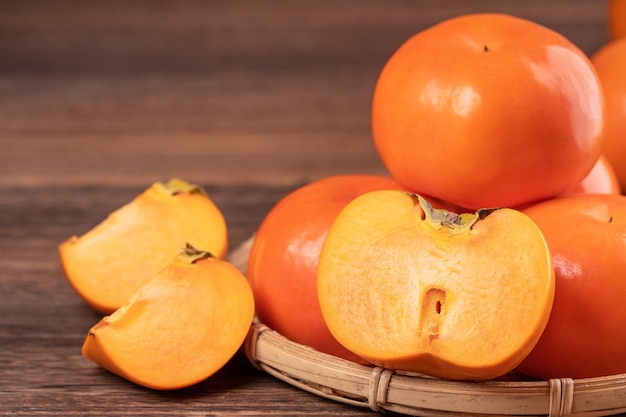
column 413, row 394
column 409, row 393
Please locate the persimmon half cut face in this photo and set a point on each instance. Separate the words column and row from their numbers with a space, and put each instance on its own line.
column 456, row 296
column 110, row 262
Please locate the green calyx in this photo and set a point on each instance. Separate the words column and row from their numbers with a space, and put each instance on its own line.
column 192, row 255
column 450, row 220
column 176, row 186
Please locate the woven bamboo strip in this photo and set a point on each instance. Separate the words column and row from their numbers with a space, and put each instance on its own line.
column 413, row 394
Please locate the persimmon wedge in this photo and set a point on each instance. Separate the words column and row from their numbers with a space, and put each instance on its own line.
column 110, row 262
column 456, row 296
column 178, row 329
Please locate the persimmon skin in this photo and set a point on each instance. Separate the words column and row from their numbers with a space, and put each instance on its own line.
column 602, row 179
column 282, row 265
column 180, row 328
column 415, row 289
column 610, row 64
column 585, row 335
column 487, row 110
column 111, row 261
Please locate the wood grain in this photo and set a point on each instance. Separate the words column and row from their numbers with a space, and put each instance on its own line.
column 249, row 99
column 266, row 92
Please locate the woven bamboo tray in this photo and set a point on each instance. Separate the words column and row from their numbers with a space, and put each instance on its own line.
column 414, row 394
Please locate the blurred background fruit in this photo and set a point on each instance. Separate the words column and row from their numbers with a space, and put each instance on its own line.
column 617, row 18
column 610, row 64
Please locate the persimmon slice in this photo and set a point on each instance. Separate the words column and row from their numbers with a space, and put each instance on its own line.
column 110, row 262
column 178, row 329
column 413, row 288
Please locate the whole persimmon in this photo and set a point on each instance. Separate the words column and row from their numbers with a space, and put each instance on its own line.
column 282, row 265
column 487, row 110
column 602, row 179
column 610, row 64
column 456, row 296
column 617, row 18
column 585, row 335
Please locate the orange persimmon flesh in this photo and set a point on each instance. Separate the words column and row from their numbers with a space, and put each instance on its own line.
column 413, row 288
column 180, row 328
column 110, row 262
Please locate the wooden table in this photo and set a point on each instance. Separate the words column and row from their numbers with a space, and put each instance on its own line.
column 248, row 98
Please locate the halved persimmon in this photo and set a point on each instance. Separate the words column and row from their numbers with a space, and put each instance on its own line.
column 282, row 266
column 180, row 328
column 110, row 262
column 413, row 288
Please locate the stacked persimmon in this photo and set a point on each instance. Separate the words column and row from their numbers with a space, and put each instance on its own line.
column 499, row 123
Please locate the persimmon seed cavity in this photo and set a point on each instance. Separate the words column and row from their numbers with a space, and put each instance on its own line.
column 432, row 305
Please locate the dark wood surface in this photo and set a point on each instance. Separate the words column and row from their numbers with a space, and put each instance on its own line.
column 247, row 98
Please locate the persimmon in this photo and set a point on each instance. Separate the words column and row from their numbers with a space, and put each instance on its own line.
column 178, row 329
column 487, row 110
column 585, row 335
column 610, row 64
column 413, row 288
column 602, row 179
column 111, row 261
column 616, row 17
column 282, row 265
